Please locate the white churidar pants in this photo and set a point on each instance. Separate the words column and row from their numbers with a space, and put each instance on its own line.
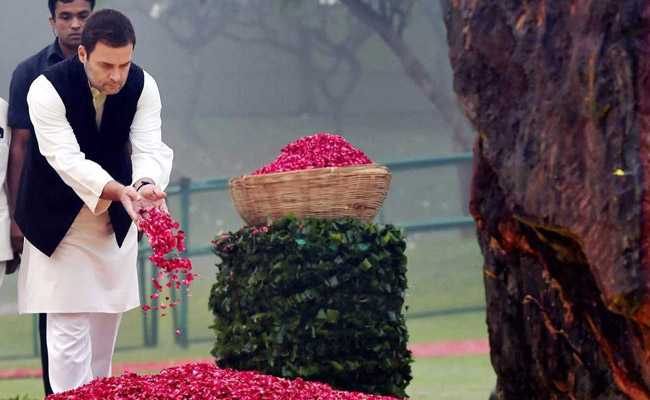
column 80, row 347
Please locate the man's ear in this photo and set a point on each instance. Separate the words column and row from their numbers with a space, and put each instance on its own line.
column 83, row 55
column 51, row 19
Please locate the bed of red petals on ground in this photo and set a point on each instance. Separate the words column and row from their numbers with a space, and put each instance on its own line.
column 167, row 243
column 207, row 382
column 316, row 151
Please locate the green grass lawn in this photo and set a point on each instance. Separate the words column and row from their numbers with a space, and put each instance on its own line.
column 455, row 378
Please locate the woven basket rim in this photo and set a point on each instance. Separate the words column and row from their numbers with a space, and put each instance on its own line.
column 310, row 171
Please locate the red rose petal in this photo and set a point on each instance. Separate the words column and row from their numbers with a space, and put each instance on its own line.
column 316, row 151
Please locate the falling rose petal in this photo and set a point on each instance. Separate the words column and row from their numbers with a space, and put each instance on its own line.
column 156, row 284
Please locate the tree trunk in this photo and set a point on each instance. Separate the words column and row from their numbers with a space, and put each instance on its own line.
column 558, row 92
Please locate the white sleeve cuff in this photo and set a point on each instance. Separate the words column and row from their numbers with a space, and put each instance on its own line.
column 93, row 201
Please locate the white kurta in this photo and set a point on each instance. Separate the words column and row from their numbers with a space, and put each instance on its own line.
column 88, row 272
column 5, row 243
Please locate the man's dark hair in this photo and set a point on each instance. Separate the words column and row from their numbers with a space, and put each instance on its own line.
column 110, row 27
column 52, row 5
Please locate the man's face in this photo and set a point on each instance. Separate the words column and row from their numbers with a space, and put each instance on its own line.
column 69, row 20
column 107, row 67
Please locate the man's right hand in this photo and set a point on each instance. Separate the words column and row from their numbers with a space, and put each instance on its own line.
column 129, row 198
column 17, row 238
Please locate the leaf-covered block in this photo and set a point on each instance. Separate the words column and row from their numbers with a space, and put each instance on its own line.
column 317, row 299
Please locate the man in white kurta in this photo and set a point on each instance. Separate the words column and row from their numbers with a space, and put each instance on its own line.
column 5, row 137
column 89, row 280
column 89, row 289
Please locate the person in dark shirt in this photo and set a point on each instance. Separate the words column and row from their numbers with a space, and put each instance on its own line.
column 67, row 19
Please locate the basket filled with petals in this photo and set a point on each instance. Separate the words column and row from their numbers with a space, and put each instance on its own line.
column 321, row 176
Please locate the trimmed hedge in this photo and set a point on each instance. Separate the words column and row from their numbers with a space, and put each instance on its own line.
column 317, row 299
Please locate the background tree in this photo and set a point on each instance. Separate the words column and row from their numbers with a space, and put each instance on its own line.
column 390, row 19
column 192, row 25
column 324, row 42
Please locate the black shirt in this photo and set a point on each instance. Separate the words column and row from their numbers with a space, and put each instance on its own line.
column 24, row 74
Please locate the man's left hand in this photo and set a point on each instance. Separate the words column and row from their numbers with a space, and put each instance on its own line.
column 151, row 197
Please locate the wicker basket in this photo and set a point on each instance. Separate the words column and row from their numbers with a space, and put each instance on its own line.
column 356, row 192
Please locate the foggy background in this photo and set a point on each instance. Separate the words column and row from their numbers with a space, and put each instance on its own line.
column 227, row 91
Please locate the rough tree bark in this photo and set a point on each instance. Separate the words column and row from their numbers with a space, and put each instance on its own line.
column 559, row 93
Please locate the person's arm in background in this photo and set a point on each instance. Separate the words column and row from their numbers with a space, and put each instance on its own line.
column 6, row 252
column 17, row 150
column 18, row 120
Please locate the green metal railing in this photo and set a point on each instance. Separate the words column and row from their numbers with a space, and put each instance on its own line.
column 186, row 188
